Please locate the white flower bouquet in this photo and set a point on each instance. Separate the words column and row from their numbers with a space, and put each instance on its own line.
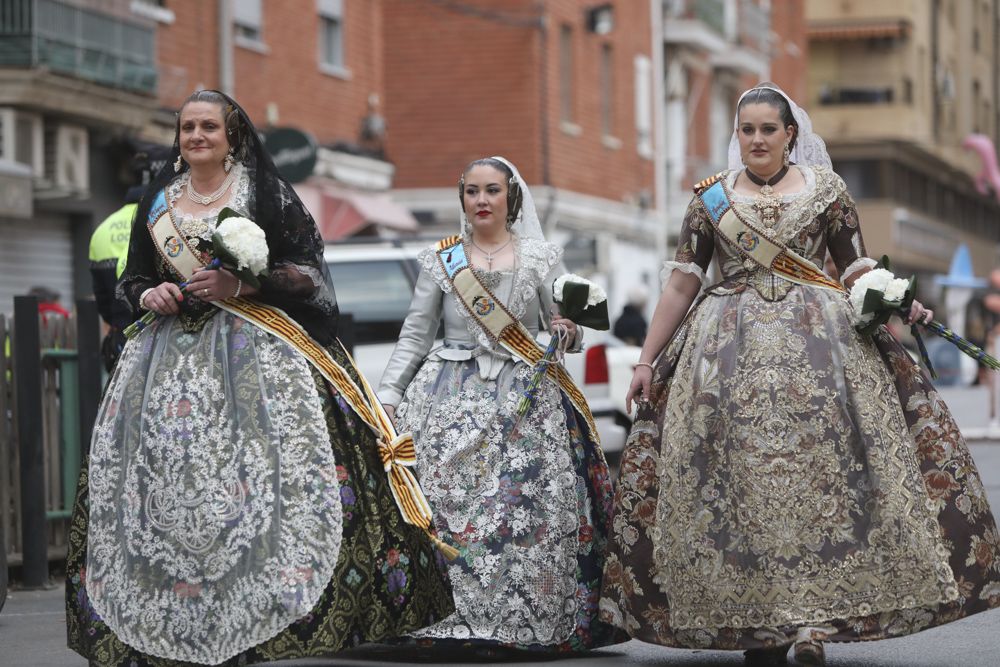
column 240, row 246
column 878, row 294
column 580, row 301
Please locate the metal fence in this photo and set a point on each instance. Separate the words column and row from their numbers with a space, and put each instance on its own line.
column 45, row 422
column 78, row 41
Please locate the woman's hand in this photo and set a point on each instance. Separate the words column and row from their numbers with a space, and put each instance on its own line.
column 918, row 313
column 638, row 391
column 568, row 328
column 163, row 299
column 391, row 411
column 214, row 284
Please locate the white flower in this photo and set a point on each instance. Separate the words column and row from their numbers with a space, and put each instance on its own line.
column 896, row 289
column 245, row 241
column 876, row 279
column 595, row 295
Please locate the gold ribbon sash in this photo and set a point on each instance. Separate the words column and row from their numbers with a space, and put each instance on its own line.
column 396, row 451
column 502, row 327
column 751, row 242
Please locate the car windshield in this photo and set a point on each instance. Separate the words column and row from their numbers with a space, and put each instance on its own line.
column 377, row 293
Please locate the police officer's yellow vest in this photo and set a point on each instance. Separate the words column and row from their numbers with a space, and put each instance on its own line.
column 110, row 239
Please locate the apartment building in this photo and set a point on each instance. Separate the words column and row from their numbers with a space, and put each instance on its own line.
column 895, row 88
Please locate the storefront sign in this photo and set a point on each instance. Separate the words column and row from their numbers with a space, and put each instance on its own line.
column 293, row 152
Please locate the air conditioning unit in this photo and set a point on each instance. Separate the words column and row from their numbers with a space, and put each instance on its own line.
column 71, row 168
column 22, row 139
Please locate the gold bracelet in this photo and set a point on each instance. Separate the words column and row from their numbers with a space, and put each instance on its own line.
column 643, row 363
column 239, row 286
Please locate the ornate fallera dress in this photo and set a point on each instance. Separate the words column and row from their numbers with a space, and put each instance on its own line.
column 525, row 503
column 789, row 473
column 235, row 509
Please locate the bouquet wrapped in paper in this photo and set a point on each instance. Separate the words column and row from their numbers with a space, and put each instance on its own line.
column 878, row 294
column 240, row 247
column 580, row 301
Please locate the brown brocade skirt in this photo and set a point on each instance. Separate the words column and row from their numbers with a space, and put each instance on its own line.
column 789, row 475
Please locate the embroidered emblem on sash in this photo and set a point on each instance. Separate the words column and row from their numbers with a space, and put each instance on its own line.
column 747, row 240
column 483, row 305
column 173, row 246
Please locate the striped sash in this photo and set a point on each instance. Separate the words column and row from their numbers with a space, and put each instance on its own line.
column 502, row 327
column 396, row 451
column 754, row 244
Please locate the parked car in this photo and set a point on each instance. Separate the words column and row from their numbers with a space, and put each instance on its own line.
column 374, row 281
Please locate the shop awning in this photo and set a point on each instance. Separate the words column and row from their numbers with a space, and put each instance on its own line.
column 341, row 213
column 850, row 31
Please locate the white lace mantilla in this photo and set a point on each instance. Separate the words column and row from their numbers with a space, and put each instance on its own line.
column 215, row 514
column 534, row 262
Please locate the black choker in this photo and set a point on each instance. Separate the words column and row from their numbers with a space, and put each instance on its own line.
column 757, row 180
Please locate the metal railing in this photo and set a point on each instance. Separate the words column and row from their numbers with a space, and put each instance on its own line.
column 79, row 42
column 48, row 400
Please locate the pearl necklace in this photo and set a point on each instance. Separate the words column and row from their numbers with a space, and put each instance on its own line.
column 205, row 200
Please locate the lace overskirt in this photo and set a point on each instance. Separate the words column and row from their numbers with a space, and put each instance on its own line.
column 525, row 501
column 219, row 516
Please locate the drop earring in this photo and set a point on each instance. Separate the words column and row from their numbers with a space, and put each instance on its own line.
column 228, row 163
column 178, row 164
column 784, row 155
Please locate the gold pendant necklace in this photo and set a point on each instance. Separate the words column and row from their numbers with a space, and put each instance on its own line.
column 767, row 202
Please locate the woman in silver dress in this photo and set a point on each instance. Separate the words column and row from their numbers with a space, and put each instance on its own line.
column 524, row 497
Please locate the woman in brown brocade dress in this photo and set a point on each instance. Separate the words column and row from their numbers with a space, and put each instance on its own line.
column 788, row 480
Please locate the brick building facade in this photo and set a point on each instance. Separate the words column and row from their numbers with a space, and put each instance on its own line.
column 565, row 89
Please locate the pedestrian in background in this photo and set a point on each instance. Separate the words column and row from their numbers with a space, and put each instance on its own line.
column 788, row 480
column 108, row 247
column 630, row 327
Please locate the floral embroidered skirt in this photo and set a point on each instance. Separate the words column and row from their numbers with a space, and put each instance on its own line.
column 790, row 476
column 234, row 510
column 526, row 502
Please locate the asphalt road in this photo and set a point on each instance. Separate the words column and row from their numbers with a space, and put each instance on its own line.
column 33, row 634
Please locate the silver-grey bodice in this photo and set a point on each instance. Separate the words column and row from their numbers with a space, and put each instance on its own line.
column 527, row 293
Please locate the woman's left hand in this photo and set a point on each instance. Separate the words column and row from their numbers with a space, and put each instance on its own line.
column 212, row 284
column 919, row 314
column 568, row 326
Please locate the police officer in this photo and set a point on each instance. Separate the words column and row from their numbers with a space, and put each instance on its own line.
column 108, row 252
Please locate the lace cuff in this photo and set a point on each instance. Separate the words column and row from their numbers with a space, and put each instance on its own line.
column 857, row 265
column 687, row 267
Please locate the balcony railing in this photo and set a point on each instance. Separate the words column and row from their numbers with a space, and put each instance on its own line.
column 79, row 42
column 856, row 95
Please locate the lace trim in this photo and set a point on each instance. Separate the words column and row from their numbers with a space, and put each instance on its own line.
column 857, row 265
column 799, row 209
column 534, row 261
column 670, row 266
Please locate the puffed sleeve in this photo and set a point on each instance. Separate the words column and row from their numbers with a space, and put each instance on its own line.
column 695, row 245
column 844, row 241
column 415, row 339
